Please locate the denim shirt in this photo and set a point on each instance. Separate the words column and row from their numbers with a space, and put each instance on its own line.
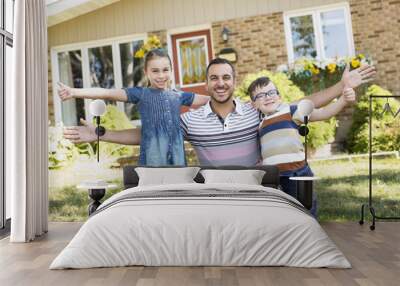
column 162, row 139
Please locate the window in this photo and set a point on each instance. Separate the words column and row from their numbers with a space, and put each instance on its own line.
column 70, row 73
column 9, row 15
column 6, row 45
column 132, row 72
column 320, row 33
column 106, row 64
column 192, row 58
column 102, row 68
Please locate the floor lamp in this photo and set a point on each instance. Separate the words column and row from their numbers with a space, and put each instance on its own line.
column 97, row 109
column 304, row 184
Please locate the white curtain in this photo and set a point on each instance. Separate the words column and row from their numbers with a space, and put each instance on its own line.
column 27, row 123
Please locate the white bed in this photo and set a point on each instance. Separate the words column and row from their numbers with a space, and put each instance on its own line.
column 203, row 225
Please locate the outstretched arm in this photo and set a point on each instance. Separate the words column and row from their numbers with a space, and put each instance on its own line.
column 86, row 134
column 65, row 92
column 350, row 79
column 200, row 100
column 335, row 107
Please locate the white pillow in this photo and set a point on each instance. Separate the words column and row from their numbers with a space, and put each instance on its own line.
column 164, row 176
column 249, row 177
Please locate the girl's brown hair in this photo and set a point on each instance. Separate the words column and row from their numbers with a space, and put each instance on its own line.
column 156, row 53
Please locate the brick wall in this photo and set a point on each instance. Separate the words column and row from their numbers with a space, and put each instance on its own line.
column 259, row 42
column 376, row 30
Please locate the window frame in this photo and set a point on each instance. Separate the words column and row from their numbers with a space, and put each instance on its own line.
column 6, row 39
column 315, row 12
column 84, row 48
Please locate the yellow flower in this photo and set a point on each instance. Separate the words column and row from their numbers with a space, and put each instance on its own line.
column 146, row 47
column 139, row 54
column 151, row 43
column 331, row 67
column 314, row 70
column 154, row 42
column 361, row 56
column 150, row 40
column 355, row 63
column 309, row 66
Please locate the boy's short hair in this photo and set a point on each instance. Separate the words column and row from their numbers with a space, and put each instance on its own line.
column 258, row 83
column 220, row 61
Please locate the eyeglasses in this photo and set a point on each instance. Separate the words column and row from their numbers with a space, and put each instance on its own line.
column 262, row 95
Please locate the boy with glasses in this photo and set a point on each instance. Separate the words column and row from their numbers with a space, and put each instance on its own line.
column 280, row 140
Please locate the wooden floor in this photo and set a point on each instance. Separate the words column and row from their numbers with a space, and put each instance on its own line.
column 375, row 256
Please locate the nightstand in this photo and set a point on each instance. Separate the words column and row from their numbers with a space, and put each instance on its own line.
column 305, row 190
column 96, row 191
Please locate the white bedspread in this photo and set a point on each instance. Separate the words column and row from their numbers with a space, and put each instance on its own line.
column 190, row 230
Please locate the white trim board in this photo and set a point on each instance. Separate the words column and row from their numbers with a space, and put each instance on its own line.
column 100, row 42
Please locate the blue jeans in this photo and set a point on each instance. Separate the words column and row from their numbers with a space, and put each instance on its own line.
column 290, row 186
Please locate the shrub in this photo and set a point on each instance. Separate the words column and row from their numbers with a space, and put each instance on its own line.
column 385, row 129
column 114, row 119
column 63, row 153
column 320, row 132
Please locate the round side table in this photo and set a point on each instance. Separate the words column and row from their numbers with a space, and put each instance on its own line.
column 96, row 192
column 305, row 190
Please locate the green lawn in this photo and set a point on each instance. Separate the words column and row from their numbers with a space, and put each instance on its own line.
column 344, row 187
column 341, row 191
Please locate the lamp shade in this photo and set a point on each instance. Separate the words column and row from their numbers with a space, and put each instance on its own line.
column 225, row 34
column 97, row 107
column 305, row 108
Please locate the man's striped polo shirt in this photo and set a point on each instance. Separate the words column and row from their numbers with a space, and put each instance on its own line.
column 217, row 142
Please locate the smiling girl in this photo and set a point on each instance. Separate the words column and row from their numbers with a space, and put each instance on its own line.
column 159, row 108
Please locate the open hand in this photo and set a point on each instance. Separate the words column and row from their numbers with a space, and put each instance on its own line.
column 64, row 91
column 81, row 134
column 356, row 77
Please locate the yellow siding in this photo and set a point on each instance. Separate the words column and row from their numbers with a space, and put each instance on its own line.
column 139, row 16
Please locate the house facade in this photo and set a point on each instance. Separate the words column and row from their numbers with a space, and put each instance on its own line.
column 92, row 44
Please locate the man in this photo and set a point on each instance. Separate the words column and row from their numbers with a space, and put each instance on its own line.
column 224, row 131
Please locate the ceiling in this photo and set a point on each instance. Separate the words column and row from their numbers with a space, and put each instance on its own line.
column 63, row 10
